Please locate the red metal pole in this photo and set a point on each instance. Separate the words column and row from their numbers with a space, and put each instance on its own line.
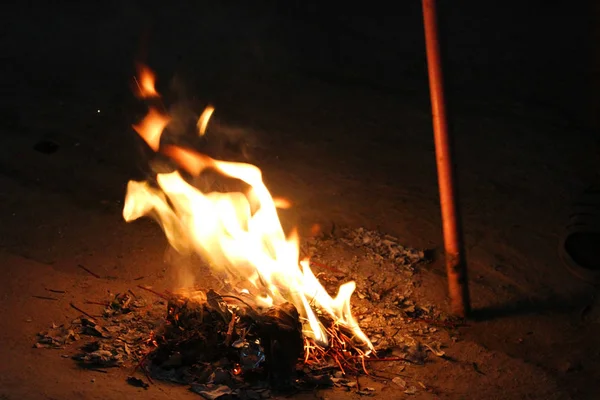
column 456, row 266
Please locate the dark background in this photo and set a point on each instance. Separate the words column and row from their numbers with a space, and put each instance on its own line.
column 335, row 102
column 505, row 54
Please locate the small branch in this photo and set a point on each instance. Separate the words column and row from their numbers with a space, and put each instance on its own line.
column 230, row 329
column 141, row 366
column 98, row 303
column 98, row 370
column 89, row 272
column 328, row 268
column 45, row 298
column 81, row 311
column 162, row 296
column 56, row 291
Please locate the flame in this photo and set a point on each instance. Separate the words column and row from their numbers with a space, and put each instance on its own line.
column 145, row 83
column 282, row 203
column 239, row 233
column 151, row 127
column 203, row 120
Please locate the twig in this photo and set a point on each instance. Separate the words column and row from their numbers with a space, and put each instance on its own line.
column 83, row 312
column 56, row 291
column 364, row 366
column 320, row 265
column 98, row 303
column 139, row 278
column 146, row 373
column 230, row 329
column 383, row 377
column 44, row 297
column 89, row 272
column 387, row 359
column 339, row 364
column 98, row 370
column 162, row 296
column 307, row 348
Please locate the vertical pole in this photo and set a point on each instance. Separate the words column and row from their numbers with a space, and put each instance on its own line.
column 456, row 266
column 594, row 118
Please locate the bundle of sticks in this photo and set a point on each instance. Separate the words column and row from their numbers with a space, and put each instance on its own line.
column 209, row 328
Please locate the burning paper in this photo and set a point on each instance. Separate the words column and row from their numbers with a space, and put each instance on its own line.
column 238, row 233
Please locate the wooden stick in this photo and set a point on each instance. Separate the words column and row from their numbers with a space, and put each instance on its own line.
column 98, row 303
column 321, row 265
column 45, row 297
column 154, row 292
column 89, row 272
column 230, row 329
column 83, row 312
column 456, row 267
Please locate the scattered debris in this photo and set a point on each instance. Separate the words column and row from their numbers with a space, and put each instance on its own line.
column 399, row 381
column 220, row 346
column 137, row 382
column 411, row 390
column 57, row 337
column 56, row 291
column 385, row 246
column 211, row 391
column 436, row 350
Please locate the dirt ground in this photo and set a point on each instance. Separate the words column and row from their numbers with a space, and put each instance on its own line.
column 346, row 150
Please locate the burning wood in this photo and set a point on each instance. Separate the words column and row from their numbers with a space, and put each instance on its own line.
column 239, row 233
column 207, row 330
column 218, row 343
column 204, row 338
column 282, row 327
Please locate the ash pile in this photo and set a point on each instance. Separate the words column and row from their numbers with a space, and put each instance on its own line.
column 217, row 344
column 221, row 347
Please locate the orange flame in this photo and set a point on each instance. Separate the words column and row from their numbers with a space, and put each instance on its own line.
column 151, row 127
column 203, row 120
column 146, row 82
column 238, row 233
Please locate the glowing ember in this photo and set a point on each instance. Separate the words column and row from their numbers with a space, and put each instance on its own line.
column 237, row 232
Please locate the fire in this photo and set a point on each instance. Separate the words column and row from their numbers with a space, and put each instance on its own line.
column 145, row 83
column 238, row 233
column 151, row 127
column 203, row 120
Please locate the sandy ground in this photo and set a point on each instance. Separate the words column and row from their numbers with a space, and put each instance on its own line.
column 346, row 154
